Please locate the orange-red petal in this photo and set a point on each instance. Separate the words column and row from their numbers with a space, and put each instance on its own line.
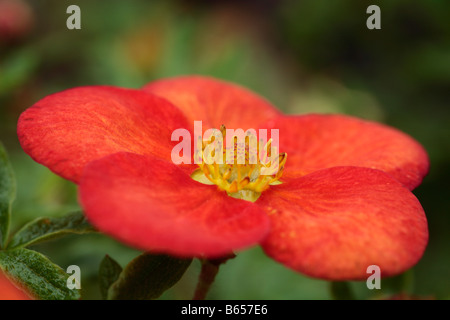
column 315, row 142
column 151, row 204
column 334, row 223
column 66, row 130
column 9, row 291
column 215, row 102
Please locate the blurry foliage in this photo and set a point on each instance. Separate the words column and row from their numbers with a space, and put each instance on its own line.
column 304, row 56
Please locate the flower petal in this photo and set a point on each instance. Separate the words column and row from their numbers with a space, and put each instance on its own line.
column 66, row 130
column 8, row 291
column 334, row 223
column 153, row 205
column 315, row 142
column 215, row 102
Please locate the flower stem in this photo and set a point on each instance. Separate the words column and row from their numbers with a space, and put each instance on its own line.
column 341, row 290
column 210, row 268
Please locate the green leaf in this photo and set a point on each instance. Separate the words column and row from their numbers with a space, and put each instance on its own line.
column 108, row 274
column 16, row 69
column 147, row 277
column 341, row 290
column 43, row 229
column 402, row 283
column 7, row 193
column 37, row 274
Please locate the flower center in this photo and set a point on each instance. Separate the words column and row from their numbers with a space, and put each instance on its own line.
column 243, row 166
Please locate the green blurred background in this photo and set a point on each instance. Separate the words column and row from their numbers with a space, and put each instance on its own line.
column 304, row 56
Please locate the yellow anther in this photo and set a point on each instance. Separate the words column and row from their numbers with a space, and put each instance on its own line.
column 242, row 180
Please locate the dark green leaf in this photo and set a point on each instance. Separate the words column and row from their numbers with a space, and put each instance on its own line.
column 341, row 290
column 108, row 274
column 148, row 276
column 43, row 229
column 7, row 193
column 402, row 283
column 37, row 274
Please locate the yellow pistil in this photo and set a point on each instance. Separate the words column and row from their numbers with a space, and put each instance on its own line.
column 240, row 180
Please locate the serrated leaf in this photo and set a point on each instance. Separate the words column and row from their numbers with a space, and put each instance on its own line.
column 37, row 274
column 109, row 272
column 147, row 277
column 7, row 193
column 43, row 229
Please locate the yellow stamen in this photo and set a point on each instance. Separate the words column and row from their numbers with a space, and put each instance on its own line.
column 242, row 180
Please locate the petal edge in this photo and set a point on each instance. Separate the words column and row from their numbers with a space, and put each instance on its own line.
column 334, row 223
column 66, row 130
column 153, row 205
column 315, row 142
column 214, row 101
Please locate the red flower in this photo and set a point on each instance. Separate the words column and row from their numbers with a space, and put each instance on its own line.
column 344, row 204
column 16, row 19
column 8, row 291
